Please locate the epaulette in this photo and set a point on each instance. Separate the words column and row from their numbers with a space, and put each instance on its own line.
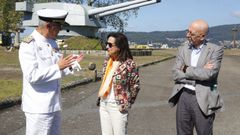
column 28, row 39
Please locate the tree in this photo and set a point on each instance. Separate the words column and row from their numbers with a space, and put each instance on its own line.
column 117, row 21
column 9, row 17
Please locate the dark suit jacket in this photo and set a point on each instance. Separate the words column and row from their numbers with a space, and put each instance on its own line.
column 205, row 80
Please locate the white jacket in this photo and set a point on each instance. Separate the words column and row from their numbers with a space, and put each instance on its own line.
column 41, row 75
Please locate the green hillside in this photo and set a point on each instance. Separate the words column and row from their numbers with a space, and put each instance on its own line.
column 216, row 34
column 83, row 43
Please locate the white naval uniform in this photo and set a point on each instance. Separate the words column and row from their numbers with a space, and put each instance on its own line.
column 41, row 75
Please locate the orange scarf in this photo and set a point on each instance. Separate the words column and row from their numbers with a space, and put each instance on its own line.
column 103, row 91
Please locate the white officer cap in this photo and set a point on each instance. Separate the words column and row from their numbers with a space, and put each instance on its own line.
column 52, row 15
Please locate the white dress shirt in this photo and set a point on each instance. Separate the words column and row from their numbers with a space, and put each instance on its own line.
column 196, row 52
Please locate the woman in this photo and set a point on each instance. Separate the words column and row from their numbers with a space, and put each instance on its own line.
column 120, row 86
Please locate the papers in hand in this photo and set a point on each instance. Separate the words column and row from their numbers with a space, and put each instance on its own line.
column 76, row 66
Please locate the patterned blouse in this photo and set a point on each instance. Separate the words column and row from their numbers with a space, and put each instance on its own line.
column 126, row 83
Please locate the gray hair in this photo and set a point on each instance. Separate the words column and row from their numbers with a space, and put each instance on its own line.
column 42, row 23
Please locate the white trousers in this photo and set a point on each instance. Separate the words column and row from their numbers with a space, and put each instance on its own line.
column 43, row 124
column 113, row 122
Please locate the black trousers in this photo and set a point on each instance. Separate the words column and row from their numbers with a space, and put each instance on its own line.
column 189, row 115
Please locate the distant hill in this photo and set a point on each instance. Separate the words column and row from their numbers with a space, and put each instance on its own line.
column 174, row 38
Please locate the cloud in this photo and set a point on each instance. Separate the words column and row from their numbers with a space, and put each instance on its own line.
column 236, row 13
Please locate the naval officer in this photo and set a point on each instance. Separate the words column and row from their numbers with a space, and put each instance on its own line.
column 43, row 66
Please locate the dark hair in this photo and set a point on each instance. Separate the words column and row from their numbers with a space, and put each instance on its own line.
column 121, row 42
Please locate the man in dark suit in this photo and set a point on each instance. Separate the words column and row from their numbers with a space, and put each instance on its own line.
column 195, row 75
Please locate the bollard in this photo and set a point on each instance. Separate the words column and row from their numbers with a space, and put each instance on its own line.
column 92, row 67
column 95, row 75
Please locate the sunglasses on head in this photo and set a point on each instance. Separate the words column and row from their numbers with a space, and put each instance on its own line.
column 110, row 45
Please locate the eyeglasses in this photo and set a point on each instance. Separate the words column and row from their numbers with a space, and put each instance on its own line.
column 193, row 34
column 190, row 33
column 110, row 45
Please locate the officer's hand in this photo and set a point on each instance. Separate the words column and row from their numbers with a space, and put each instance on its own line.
column 65, row 62
column 79, row 57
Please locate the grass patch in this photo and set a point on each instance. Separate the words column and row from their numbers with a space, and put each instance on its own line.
column 156, row 55
column 234, row 51
column 8, row 59
column 71, row 78
column 83, row 43
column 10, row 89
column 98, row 60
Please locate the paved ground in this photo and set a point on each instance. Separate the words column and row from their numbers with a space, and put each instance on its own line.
column 150, row 114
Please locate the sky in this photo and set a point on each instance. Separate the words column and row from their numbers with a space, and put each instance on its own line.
column 174, row 15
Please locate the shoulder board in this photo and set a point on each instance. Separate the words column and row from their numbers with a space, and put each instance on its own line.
column 28, row 39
